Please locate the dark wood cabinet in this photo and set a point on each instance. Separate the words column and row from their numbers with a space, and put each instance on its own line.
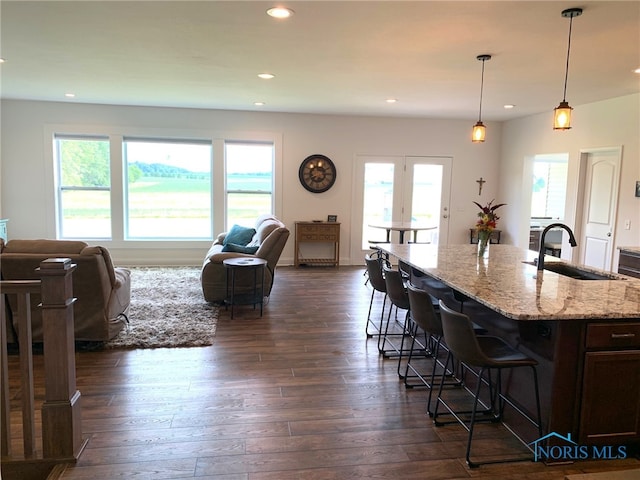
column 629, row 263
column 610, row 409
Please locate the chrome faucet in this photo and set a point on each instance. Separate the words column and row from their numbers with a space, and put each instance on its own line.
column 572, row 241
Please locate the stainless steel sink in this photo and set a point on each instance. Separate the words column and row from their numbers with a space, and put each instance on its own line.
column 575, row 272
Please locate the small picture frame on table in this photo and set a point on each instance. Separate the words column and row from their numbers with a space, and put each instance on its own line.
column 638, row 188
column 332, row 218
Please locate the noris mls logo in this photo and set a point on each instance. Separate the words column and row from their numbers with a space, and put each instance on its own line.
column 570, row 450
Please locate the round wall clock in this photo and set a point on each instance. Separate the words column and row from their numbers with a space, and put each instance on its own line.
column 317, row 173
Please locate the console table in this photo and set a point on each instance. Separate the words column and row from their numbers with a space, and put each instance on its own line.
column 493, row 238
column 317, row 232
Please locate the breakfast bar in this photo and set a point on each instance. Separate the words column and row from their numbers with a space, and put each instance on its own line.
column 583, row 329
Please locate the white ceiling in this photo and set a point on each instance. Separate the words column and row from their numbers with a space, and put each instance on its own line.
column 331, row 57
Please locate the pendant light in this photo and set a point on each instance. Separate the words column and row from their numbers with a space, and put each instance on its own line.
column 562, row 113
column 479, row 130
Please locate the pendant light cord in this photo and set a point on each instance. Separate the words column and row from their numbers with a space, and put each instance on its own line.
column 481, row 89
column 566, row 70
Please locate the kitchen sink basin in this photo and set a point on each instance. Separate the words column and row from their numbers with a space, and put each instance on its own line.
column 575, row 272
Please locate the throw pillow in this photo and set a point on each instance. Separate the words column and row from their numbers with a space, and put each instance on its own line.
column 239, row 235
column 232, row 247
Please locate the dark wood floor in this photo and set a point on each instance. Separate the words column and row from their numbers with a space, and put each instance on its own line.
column 298, row 394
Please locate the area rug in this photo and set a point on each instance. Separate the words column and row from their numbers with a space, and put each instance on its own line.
column 167, row 310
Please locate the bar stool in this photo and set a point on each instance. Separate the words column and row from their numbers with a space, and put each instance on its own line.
column 377, row 254
column 376, row 279
column 425, row 317
column 486, row 353
column 397, row 294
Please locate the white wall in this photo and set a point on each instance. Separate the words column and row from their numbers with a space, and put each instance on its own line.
column 25, row 189
column 610, row 123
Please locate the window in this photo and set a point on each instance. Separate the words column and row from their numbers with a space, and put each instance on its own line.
column 249, row 181
column 168, row 189
column 84, row 186
column 549, row 186
column 153, row 189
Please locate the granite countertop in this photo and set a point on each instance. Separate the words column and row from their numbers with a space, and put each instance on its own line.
column 516, row 289
column 630, row 249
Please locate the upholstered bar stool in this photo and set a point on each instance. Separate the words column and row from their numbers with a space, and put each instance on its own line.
column 376, row 279
column 397, row 294
column 485, row 353
column 426, row 319
column 376, row 254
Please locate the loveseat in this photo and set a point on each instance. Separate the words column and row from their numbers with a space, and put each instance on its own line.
column 266, row 240
column 103, row 292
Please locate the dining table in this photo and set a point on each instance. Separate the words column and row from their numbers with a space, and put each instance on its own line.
column 402, row 228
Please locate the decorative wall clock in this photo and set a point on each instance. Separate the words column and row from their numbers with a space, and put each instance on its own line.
column 317, row 173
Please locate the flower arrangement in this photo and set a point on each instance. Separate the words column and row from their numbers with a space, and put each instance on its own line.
column 487, row 217
column 487, row 221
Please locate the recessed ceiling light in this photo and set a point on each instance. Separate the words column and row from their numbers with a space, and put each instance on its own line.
column 391, row 100
column 70, row 95
column 266, row 76
column 258, row 104
column 280, row 12
column 509, row 105
column 637, row 70
column 2, row 60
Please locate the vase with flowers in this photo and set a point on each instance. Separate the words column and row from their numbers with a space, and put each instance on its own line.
column 487, row 221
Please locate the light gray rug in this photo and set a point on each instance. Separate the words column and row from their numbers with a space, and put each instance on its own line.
column 167, row 310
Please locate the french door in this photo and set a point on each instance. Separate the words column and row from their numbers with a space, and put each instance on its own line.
column 399, row 189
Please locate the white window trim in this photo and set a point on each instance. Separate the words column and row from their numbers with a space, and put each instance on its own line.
column 116, row 134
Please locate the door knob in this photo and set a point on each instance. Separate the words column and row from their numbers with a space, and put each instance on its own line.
column 608, row 234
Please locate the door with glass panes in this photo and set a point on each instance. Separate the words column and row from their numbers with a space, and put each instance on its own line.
column 399, row 189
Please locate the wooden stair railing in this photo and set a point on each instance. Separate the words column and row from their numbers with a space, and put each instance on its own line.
column 61, row 424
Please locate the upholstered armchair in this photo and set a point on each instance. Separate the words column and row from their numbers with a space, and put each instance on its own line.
column 267, row 243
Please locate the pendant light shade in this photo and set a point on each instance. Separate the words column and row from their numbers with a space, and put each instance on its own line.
column 562, row 113
column 479, row 131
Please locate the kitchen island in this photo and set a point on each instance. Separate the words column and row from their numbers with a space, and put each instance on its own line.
column 584, row 333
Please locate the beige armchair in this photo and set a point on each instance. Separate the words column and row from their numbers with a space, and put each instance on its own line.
column 103, row 292
column 270, row 238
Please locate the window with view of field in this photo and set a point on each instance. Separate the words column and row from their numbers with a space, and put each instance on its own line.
column 84, row 187
column 249, row 181
column 151, row 188
column 168, row 189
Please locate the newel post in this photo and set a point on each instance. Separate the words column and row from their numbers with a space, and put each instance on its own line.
column 61, row 423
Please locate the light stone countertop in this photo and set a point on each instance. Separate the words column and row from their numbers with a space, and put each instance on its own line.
column 516, row 289
column 630, row 249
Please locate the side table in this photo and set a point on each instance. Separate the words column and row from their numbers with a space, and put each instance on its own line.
column 233, row 265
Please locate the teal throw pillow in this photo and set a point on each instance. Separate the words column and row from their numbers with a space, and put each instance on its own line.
column 239, row 235
column 232, row 247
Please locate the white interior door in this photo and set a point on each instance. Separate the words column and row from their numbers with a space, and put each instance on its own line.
column 599, row 207
column 399, row 189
